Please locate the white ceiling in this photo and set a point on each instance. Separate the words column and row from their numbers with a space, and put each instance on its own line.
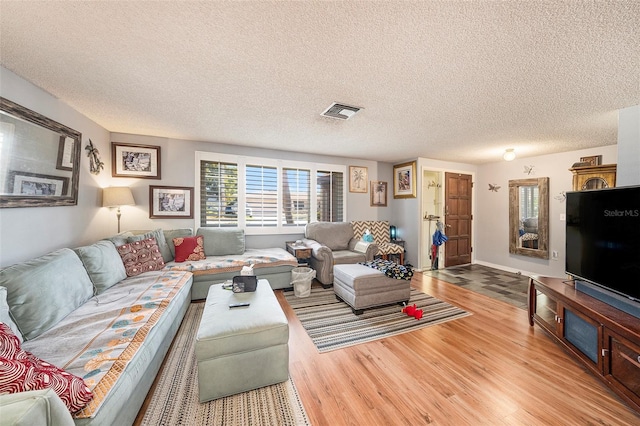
column 457, row 81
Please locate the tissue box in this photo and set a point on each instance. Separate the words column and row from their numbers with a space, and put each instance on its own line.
column 247, row 270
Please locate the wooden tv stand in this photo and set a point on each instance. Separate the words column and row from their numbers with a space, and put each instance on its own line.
column 605, row 339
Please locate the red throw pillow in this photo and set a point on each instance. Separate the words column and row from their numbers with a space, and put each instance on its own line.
column 141, row 256
column 22, row 371
column 189, row 248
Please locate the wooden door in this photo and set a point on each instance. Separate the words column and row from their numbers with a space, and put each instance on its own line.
column 457, row 219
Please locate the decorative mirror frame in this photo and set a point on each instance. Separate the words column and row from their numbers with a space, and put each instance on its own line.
column 18, row 111
column 542, row 251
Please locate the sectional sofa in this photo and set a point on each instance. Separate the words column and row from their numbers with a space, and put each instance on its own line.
column 107, row 313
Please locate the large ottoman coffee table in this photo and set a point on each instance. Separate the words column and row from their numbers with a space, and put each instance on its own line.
column 243, row 348
column 362, row 287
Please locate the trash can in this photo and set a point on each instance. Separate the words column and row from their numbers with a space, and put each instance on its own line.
column 301, row 281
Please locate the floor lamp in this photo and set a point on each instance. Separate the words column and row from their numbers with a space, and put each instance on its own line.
column 116, row 196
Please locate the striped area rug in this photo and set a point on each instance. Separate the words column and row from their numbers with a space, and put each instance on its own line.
column 332, row 325
column 175, row 397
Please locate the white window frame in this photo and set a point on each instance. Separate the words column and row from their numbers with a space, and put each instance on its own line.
column 242, row 162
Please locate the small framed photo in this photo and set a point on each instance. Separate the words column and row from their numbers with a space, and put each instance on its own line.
column 404, row 180
column 378, row 194
column 38, row 185
column 358, row 179
column 170, row 202
column 65, row 154
column 140, row 161
column 594, row 160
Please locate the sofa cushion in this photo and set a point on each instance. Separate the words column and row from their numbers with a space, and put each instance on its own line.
column 5, row 316
column 141, row 256
column 161, row 241
column 22, row 371
column 103, row 263
column 189, row 248
column 335, row 235
column 170, row 234
column 222, row 241
column 40, row 294
column 120, row 239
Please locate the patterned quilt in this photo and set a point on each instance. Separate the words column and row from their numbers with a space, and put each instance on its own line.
column 99, row 339
column 258, row 258
column 390, row 269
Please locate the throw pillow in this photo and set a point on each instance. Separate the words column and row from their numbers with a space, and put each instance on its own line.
column 141, row 256
column 158, row 234
column 189, row 248
column 22, row 371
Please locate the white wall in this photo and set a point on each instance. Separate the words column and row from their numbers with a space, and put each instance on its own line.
column 491, row 245
column 33, row 231
column 628, row 172
column 178, row 170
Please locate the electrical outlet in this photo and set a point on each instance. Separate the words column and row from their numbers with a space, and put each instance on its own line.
column 554, row 255
column 563, row 217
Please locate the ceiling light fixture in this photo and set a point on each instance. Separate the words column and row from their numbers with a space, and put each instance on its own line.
column 509, row 155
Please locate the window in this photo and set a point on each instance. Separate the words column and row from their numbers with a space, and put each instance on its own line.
column 296, row 196
column 266, row 195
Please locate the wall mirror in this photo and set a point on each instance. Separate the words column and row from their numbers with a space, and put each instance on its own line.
column 529, row 217
column 39, row 159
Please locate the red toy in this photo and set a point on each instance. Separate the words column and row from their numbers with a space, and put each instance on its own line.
column 412, row 311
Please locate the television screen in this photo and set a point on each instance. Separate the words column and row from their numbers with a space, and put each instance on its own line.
column 603, row 238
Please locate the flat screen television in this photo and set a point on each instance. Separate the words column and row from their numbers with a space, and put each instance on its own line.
column 603, row 239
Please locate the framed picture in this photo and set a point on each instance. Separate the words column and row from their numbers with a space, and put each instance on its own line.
column 358, row 179
column 170, row 202
column 404, row 180
column 594, row 160
column 36, row 184
column 65, row 154
column 378, row 194
column 141, row 161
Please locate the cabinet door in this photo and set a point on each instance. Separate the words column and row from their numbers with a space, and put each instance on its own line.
column 622, row 364
column 583, row 335
column 546, row 312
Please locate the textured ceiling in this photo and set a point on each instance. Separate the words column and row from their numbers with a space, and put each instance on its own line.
column 457, row 81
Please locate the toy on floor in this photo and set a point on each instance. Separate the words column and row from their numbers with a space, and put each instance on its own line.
column 412, row 311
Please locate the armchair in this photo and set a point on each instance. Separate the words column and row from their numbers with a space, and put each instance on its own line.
column 333, row 243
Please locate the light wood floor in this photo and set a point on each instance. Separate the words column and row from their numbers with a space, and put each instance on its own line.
column 489, row 368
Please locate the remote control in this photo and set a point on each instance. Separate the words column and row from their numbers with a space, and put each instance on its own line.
column 238, row 305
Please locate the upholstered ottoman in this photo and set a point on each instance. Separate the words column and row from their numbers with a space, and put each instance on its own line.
column 363, row 287
column 240, row 349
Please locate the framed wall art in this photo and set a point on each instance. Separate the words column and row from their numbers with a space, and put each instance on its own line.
column 358, row 179
column 404, row 180
column 36, row 184
column 140, row 161
column 170, row 202
column 378, row 194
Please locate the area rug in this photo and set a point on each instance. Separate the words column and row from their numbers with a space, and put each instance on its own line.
column 175, row 398
column 332, row 325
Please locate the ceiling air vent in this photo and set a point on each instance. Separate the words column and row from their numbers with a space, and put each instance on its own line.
column 340, row 111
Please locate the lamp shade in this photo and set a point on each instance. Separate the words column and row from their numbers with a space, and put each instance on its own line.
column 115, row 196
